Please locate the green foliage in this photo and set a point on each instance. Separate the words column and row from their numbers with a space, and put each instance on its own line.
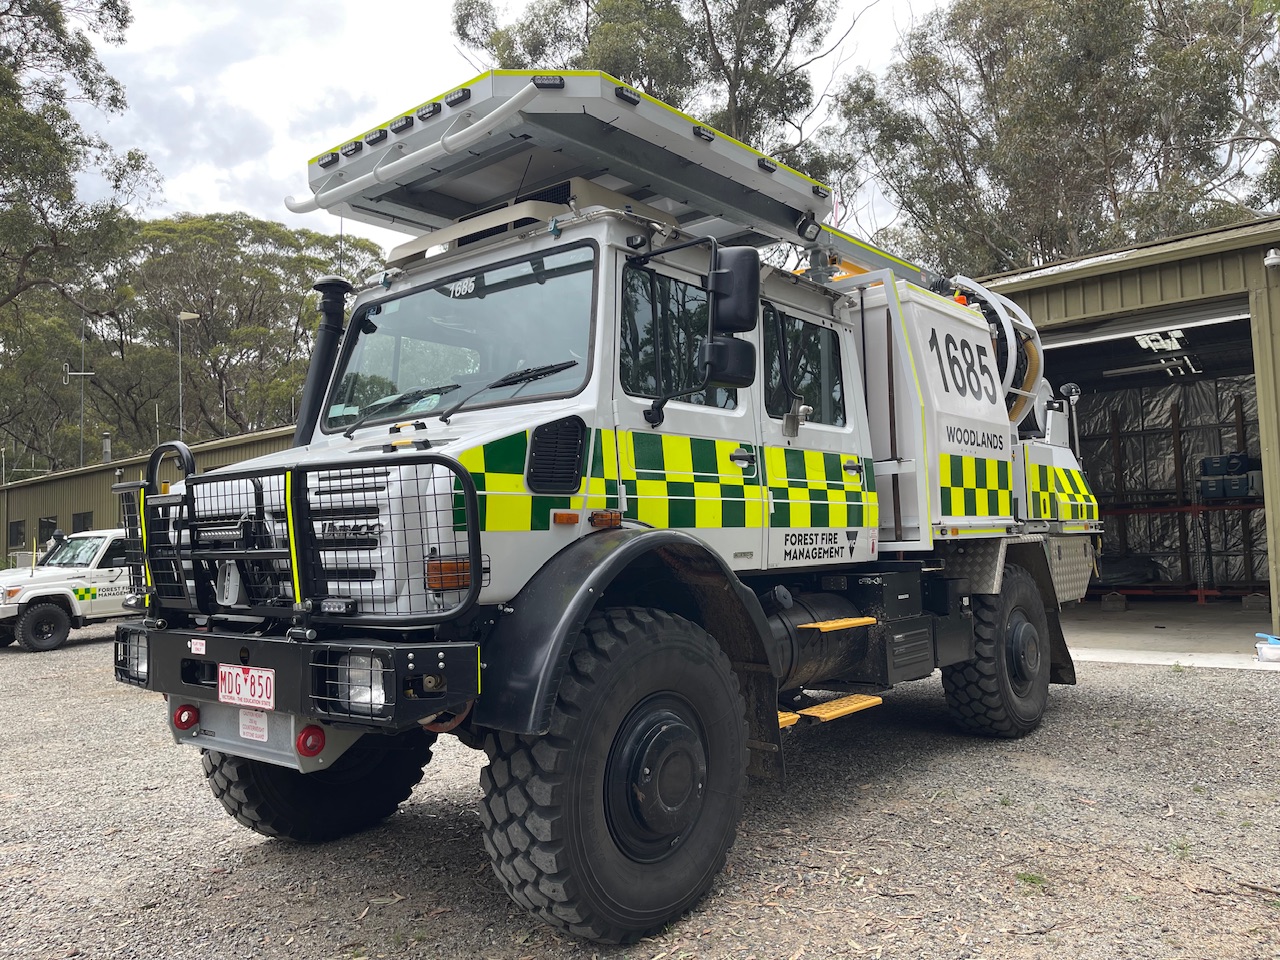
column 243, row 360
column 1010, row 135
column 49, row 238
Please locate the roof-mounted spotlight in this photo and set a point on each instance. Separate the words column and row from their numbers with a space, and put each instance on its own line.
column 808, row 228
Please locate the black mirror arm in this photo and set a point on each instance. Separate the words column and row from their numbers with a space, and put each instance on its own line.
column 654, row 415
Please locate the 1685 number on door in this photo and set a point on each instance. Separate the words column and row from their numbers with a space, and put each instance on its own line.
column 964, row 368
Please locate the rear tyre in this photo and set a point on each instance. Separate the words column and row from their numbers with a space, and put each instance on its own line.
column 43, row 627
column 1004, row 689
column 364, row 786
column 618, row 820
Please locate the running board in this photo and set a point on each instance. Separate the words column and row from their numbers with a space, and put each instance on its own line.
column 848, row 623
column 822, row 712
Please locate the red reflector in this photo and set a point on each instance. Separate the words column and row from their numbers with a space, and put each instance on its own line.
column 310, row 741
column 186, row 717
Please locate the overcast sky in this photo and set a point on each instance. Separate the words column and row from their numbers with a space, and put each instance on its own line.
column 230, row 100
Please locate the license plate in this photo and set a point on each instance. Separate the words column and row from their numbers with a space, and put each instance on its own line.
column 247, row 686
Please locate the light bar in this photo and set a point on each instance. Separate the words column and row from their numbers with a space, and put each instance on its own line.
column 627, row 94
column 327, row 159
column 767, row 165
column 549, row 82
column 400, row 124
column 352, row 148
column 461, row 95
column 429, row 110
column 702, row 133
column 375, row 136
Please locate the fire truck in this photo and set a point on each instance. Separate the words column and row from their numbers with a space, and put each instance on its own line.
column 583, row 480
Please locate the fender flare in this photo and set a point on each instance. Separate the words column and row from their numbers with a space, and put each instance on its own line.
column 526, row 653
column 54, row 595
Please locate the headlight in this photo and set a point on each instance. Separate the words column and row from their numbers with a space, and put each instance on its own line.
column 364, row 682
column 131, row 655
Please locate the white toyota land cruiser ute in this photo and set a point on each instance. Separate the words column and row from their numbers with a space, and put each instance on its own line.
column 81, row 580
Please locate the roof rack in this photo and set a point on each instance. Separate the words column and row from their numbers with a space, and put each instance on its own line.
column 508, row 136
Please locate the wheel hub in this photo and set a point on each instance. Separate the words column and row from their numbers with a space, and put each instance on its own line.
column 656, row 781
column 1024, row 649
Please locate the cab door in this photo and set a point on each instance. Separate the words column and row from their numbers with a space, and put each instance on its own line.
column 109, row 581
column 699, row 469
column 818, row 471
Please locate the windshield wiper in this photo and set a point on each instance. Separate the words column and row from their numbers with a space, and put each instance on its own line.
column 528, row 375
column 409, row 396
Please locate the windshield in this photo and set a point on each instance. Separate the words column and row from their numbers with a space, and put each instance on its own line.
column 73, row 553
column 464, row 333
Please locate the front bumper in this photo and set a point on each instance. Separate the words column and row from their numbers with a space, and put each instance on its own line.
column 417, row 680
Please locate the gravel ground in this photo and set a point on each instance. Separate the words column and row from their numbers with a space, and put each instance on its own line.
column 1142, row 820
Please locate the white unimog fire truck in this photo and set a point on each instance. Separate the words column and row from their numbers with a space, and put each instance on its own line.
column 582, row 483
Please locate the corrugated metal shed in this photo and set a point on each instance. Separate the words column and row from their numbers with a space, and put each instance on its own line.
column 1182, row 280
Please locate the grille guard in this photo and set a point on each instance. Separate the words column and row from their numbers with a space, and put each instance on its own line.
column 273, row 544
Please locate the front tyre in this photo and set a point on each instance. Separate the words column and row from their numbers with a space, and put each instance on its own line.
column 364, row 786
column 618, row 819
column 43, row 627
column 1004, row 689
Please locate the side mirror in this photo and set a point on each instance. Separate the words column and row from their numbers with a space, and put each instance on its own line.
column 728, row 362
column 735, row 285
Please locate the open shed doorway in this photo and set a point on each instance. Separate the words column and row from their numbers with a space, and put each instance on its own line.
column 1168, row 432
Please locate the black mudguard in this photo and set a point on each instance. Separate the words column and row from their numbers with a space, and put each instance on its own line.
column 526, row 654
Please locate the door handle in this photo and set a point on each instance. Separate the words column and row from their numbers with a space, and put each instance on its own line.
column 854, row 467
column 743, row 458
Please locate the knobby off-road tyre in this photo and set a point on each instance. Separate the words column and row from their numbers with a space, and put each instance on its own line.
column 43, row 627
column 1004, row 689
column 364, row 786
column 619, row 819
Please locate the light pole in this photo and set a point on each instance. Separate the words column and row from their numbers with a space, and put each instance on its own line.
column 182, row 317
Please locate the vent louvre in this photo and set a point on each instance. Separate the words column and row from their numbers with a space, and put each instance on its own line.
column 555, row 456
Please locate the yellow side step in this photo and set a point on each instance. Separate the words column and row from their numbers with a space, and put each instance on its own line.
column 848, row 623
column 822, row 712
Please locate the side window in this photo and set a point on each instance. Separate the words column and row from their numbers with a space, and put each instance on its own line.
column 115, row 556
column 663, row 322
column 812, row 357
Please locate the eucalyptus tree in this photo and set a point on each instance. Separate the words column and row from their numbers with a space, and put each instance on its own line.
column 1012, row 134
column 244, row 353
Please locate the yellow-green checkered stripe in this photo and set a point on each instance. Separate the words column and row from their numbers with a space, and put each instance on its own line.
column 1059, row 493
column 502, row 493
column 810, row 488
column 86, row 593
column 688, row 482
column 975, row 486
